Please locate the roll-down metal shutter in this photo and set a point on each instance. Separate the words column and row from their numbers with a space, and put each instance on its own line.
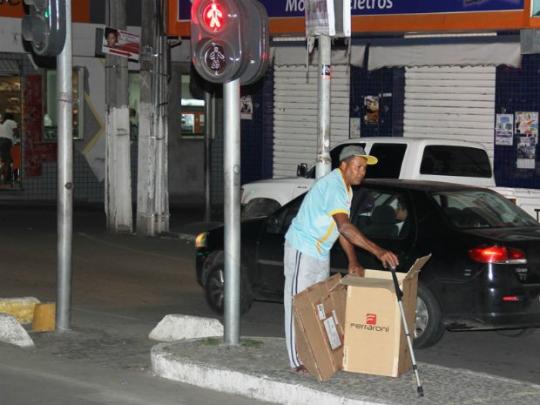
column 451, row 102
column 296, row 114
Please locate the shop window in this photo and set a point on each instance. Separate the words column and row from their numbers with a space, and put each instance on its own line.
column 192, row 111
column 50, row 105
column 535, row 8
column 10, row 132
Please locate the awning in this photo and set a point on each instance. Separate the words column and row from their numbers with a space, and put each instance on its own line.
column 502, row 53
column 379, row 56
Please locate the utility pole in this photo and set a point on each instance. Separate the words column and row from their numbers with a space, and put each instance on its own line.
column 152, row 184
column 324, row 162
column 118, row 204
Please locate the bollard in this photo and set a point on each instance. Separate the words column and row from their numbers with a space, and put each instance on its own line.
column 44, row 317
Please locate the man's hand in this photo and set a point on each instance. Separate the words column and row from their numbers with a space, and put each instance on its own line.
column 388, row 259
column 356, row 270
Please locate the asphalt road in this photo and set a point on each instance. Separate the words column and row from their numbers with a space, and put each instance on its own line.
column 122, row 286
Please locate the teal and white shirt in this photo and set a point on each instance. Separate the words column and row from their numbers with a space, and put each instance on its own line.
column 313, row 231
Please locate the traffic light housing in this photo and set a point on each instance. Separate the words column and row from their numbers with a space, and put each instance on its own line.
column 256, row 35
column 216, row 39
column 229, row 40
column 44, row 26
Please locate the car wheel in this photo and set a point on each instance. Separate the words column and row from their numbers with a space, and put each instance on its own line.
column 260, row 207
column 429, row 328
column 215, row 290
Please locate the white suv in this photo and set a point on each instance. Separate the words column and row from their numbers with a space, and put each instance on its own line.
column 404, row 158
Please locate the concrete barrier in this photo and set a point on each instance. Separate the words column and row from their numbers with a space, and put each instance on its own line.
column 13, row 333
column 21, row 308
column 177, row 327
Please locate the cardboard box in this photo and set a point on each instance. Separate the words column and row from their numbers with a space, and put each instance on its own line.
column 375, row 341
column 319, row 312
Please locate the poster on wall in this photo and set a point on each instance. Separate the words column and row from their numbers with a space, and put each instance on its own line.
column 354, row 127
column 504, row 129
column 527, row 130
column 246, row 108
column 371, row 108
column 121, row 43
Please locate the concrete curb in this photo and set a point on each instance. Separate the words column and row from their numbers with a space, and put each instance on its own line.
column 258, row 368
column 176, row 327
column 12, row 332
column 233, row 382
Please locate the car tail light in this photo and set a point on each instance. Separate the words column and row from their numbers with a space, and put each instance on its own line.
column 510, row 298
column 498, row 255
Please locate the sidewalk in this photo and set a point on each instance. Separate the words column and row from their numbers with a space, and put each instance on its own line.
column 258, row 369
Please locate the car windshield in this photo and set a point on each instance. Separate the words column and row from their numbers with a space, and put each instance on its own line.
column 481, row 209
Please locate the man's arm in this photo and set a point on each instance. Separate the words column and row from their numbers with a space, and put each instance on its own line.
column 357, row 238
column 348, row 248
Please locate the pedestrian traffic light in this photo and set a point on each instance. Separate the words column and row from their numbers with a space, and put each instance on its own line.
column 44, row 25
column 216, row 39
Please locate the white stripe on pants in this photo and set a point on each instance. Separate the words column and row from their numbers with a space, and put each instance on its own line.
column 301, row 271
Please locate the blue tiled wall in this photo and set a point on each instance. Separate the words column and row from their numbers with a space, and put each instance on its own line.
column 388, row 84
column 517, row 90
column 257, row 136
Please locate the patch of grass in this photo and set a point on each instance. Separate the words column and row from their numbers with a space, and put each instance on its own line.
column 211, row 341
column 251, row 343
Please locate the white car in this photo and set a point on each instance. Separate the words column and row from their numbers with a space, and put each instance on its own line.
column 452, row 161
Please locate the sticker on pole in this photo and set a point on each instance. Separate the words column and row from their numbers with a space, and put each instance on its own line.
column 326, row 71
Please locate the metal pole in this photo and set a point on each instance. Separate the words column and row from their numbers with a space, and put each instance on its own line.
column 65, row 179
column 209, row 124
column 231, row 170
column 324, row 163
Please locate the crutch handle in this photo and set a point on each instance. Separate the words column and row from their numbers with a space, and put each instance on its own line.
column 399, row 293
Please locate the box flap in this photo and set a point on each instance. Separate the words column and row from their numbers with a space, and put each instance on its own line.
column 417, row 266
column 357, row 281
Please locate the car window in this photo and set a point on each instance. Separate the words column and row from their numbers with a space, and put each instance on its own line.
column 444, row 160
column 481, row 209
column 390, row 157
column 381, row 214
column 279, row 221
column 334, row 153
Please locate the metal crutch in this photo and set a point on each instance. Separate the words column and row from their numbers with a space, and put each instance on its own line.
column 399, row 295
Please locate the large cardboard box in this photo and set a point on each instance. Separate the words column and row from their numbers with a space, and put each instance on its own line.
column 375, row 342
column 319, row 312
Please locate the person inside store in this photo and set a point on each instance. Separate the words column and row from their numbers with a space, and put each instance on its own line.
column 323, row 218
column 8, row 135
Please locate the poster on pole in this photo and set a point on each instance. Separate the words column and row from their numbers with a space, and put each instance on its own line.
column 527, row 130
column 121, row 43
column 504, row 129
column 246, row 108
column 328, row 17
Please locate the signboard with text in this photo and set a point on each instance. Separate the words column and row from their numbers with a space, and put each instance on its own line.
column 296, row 8
column 287, row 16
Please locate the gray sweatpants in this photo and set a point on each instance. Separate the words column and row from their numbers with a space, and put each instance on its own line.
column 301, row 271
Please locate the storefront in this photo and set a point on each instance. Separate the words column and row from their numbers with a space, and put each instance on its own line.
column 449, row 69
